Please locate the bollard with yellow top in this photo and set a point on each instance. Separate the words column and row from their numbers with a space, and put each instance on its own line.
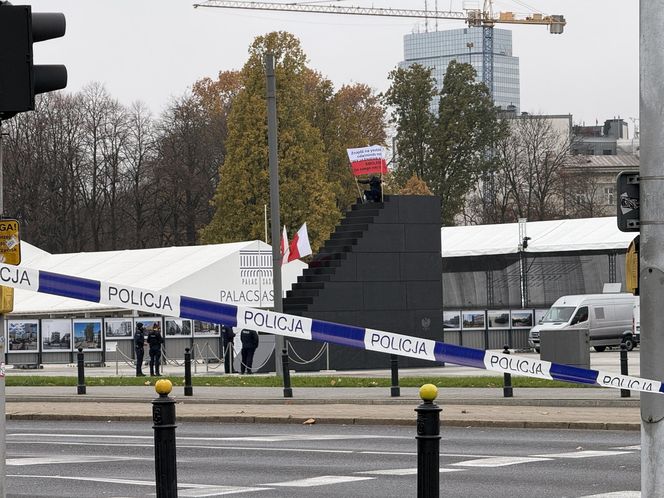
column 428, row 443
column 163, row 418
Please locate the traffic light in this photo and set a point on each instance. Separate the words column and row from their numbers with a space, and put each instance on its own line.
column 20, row 79
column 629, row 202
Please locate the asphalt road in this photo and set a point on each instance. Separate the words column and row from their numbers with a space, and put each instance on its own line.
column 116, row 459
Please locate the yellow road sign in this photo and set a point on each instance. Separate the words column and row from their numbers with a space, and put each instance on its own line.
column 632, row 267
column 10, row 242
column 6, row 299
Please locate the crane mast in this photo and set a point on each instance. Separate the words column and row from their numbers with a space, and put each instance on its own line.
column 476, row 17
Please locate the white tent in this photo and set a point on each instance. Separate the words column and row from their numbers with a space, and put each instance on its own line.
column 587, row 234
column 239, row 273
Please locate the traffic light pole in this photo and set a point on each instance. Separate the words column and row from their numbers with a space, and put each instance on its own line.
column 22, row 80
column 651, row 287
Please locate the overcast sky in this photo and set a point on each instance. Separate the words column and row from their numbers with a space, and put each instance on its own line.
column 152, row 50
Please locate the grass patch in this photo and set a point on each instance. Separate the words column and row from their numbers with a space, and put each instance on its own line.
column 296, row 381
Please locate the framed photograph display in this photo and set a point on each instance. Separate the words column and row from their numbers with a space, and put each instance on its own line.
column 451, row 320
column 539, row 314
column 473, row 320
column 177, row 327
column 87, row 334
column 150, row 323
column 499, row 319
column 118, row 328
column 22, row 336
column 56, row 335
column 205, row 329
column 522, row 319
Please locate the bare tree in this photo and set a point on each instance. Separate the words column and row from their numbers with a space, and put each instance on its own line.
column 93, row 179
column 583, row 191
column 139, row 154
column 527, row 182
column 189, row 153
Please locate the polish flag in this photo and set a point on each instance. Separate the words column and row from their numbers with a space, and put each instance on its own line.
column 299, row 246
column 285, row 250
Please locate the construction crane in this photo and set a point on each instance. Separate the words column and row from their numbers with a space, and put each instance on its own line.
column 475, row 17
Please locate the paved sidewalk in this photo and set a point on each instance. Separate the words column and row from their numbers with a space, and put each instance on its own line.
column 583, row 408
column 608, row 361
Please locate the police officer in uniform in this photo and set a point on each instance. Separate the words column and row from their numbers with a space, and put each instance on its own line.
column 155, row 340
column 227, row 336
column 249, row 344
column 139, row 347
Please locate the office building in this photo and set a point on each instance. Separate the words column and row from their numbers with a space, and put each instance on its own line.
column 435, row 49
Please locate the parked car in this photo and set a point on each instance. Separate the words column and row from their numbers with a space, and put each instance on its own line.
column 609, row 318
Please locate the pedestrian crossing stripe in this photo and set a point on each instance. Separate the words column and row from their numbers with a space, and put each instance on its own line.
column 282, row 324
column 317, row 481
column 500, row 461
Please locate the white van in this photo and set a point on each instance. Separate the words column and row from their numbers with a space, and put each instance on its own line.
column 636, row 321
column 609, row 317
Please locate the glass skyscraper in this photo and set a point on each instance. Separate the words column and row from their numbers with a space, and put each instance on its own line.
column 435, row 49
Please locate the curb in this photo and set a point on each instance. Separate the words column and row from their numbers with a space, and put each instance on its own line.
column 580, row 403
column 504, row 424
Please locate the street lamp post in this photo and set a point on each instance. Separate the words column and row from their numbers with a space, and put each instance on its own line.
column 273, row 159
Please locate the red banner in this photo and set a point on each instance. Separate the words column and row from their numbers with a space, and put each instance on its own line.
column 369, row 166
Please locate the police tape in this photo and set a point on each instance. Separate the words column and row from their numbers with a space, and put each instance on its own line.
column 308, row 328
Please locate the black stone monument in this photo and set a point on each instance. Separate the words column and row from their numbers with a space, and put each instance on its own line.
column 380, row 269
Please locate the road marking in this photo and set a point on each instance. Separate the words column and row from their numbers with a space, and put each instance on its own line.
column 485, row 458
column 277, row 438
column 57, row 460
column 203, row 491
column 636, row 447
column 110, row 480
column 502, row 461
column 402, row 472
column 400, row 453
column 582, row 454
column 616, row 494
column 189, row 490
column 285, row 437
column 200, row 446
column 94, row 436
column 317, row 481
column 257, row 448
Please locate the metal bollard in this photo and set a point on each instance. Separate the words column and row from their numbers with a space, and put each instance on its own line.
column 624, row 393
column 507, row 378
column 395, row 390
column 428, row 443
column 188, row 389
column 288, row 390
column 80, row 388
column 163, row 418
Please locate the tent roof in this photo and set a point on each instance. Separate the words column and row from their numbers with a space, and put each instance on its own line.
column 156, row 269
column 143, row 268
column 586, row 234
